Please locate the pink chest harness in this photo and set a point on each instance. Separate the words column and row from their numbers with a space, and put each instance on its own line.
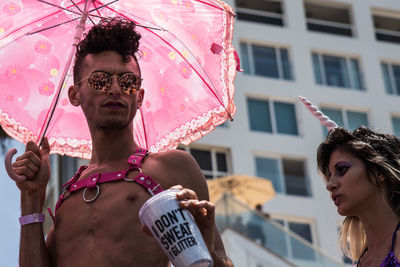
column 93, row 181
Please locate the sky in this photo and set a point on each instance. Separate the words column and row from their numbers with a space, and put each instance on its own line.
column 9, row 210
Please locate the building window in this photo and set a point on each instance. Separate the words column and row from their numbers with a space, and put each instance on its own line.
column 267, row 61
column 347, row 118
column 396, row 125
column 294, row 247
column 213, row 162
column 288, row 176
column 272, row 116
column 328, row 18
column 347, row 260
column 68, row 166
column 337, row 71
column 3, row 134
column 391, row 77
column 387, row 26
column 266, row 11
column 225, row 125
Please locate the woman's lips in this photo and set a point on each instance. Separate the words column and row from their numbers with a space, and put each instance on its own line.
column 336, row 199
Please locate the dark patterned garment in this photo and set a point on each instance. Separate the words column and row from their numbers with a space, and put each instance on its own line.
column 390, row 260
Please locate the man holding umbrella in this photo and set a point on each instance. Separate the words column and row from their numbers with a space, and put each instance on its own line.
column 96, row 221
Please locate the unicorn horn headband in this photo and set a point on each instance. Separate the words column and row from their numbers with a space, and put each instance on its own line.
column 325, row 120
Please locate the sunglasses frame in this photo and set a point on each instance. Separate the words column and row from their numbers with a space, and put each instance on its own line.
column 105, row 89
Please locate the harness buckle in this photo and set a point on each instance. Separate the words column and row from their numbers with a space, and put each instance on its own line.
column 133, row 179
column 155, row 188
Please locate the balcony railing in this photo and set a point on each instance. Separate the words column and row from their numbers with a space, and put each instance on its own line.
column 387, row 35
column 329, row 27
column 259, row 16
column 270, row 234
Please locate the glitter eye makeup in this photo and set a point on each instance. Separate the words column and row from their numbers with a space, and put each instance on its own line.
column 342, row 167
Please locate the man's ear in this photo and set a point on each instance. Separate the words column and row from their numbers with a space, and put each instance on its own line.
column 74, row 95
column 140, row 96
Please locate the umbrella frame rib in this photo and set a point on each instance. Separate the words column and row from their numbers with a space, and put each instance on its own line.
column 80, row 28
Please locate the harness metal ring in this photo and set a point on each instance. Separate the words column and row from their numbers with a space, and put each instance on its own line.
column 90, row 200
column 133, row 179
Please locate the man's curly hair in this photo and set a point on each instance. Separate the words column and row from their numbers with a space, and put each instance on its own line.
column 115, row 34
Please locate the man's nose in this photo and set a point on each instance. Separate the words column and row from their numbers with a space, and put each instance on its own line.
column 115, row 89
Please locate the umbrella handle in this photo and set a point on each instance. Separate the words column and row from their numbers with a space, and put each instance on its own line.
column 9, row 169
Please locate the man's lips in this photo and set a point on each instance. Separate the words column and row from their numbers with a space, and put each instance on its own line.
column 113, row 104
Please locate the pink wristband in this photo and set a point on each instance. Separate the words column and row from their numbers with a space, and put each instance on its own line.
column 31, row 218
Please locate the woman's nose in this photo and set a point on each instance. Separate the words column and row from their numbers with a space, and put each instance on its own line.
column 331, row 184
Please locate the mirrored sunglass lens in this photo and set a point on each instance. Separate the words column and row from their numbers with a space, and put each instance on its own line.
column 99, row 81
column 129, row 82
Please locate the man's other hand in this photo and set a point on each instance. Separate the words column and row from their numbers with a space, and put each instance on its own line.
column 35, row 166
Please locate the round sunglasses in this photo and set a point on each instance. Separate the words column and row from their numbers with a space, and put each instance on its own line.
column 101, row 81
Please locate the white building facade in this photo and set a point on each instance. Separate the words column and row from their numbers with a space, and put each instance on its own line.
column 344, row 56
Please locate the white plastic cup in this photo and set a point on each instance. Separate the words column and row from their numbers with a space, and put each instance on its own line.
column 175, row 230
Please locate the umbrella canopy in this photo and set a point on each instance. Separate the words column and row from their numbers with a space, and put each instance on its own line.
column 247, row 189
column 186, row 58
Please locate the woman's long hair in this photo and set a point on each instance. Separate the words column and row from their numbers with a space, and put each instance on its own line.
column 380, row 154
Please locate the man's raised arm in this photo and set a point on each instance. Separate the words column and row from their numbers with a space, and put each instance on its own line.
column 34, row 165
column 195, row 198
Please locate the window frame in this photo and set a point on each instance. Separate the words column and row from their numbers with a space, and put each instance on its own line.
column 282, row 175
column 395, row 89
column 392, row 118
column 274, row 126
column 384, row 34
column 278, row 57
column 330, row 23
column 261, row 13
column 350, row 70
column 344, row 111
column 215, row 173
column 286, row 220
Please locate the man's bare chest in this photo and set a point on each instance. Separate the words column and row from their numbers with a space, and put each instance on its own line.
column 105, row 229
column 117, row 203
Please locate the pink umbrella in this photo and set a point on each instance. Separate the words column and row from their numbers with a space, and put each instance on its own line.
column 187, row 60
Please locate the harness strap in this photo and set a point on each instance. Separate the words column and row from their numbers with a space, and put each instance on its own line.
column 147, row 182
column 97, row 178
column 66, row 187
column 76, row 177
column 135, row 162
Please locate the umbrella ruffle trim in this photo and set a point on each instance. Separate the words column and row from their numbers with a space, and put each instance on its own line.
column 187, row 133
column 192, row 130
column 71, row 147
column 195, row 129
column 63, row 146
column 229, row 66
column 15, row 129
